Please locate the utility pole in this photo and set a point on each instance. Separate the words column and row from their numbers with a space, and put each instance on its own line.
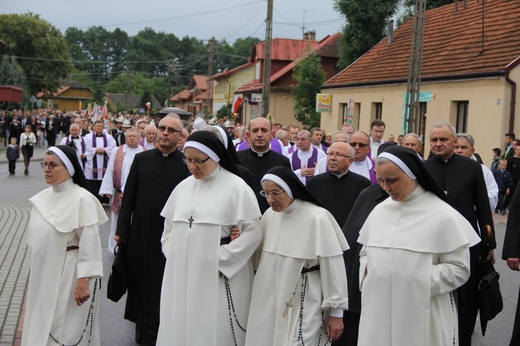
column 210, row 73
column 266, row 88
column 413, row 86
column 127, row 88
column 171, row 70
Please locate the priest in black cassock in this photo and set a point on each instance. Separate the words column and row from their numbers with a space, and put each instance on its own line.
column 259, row 158
column 462, row 180
column 153, row 176
column 338, row 189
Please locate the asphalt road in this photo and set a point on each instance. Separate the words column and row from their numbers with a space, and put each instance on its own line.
column 115, row 331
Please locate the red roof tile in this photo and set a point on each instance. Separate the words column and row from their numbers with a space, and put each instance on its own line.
column 282, row 49
column 328, row 46
column 183, row 95
column 199, row 82
column 452, row 46
column 230, row 72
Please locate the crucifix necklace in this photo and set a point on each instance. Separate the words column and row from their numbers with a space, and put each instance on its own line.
column 200, row 195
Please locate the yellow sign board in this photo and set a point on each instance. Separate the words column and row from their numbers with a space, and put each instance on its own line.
column 324, row 103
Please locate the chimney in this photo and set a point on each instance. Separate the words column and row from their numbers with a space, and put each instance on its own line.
column 310, row 36
column 390, row 29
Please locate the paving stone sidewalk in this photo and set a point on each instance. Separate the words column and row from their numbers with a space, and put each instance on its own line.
column 14, row 270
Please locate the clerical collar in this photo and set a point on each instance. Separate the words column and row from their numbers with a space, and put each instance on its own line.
column 101, row 135
column 260, row 154
column 339, row 175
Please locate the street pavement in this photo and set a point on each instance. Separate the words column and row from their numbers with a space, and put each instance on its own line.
column 115, row 331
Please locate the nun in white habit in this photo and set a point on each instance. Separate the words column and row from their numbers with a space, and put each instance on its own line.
column 300, row 287
column 207, row 281
column 415, row 254
column 65, row 252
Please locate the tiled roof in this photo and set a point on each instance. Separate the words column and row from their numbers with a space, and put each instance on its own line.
column 201, row 96
column 282, row 49
column 183, row 95
column 452, row 46
column 327, row 46
column 230, row 72
column 199, row 82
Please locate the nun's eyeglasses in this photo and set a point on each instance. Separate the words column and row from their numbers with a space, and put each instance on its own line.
column 196, row 162
column 273, row 193
column 50, row 165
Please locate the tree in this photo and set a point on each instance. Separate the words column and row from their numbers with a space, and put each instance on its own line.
column 430, row 3
column 10, row 72
column 309, row 76
column 40, row 49
column 366, row 24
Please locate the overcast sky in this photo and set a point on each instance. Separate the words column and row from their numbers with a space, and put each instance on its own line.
column 229, row 19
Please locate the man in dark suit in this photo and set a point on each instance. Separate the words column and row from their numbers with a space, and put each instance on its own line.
column 338, row 189
column 259, row 158
column 118, row 133
column 463, row 181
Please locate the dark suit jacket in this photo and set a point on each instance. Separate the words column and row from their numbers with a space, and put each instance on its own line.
column 118, row 136
column 337, row 195
column 464, row 182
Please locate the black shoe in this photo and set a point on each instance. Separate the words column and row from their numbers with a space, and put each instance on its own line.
column 496, row 211
column 26, row 172
column 502, row 212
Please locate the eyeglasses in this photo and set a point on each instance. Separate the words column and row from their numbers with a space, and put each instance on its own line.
column 361, row 145
column 196, row 162
column 273, row 193
column 337, row 155
column 302, row 139
column 50, row 165
column 170, row 130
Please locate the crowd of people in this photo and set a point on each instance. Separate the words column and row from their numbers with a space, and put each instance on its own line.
column 265, row 234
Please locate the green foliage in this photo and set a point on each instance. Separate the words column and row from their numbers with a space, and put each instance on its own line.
column 41, row 49
column 225, row 111
column 145, row 97
column 365, row 27
column 10, row 72
column 309, row 76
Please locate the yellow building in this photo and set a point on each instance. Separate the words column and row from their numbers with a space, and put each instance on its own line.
column 71, row 96
column 226, row 82
column 469, row 76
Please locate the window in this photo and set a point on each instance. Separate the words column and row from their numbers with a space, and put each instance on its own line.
column 461, row 124
column 377, row 110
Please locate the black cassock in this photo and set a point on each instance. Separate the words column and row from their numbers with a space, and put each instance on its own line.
column 337, row 195
column 512, row 250
column 368, row 199
column 258, row 166
column 150, row 182
column 463, row 180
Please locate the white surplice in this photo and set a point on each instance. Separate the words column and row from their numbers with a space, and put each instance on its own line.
column 303, row 235
column 91, row 154
column 63, row 215
column 107, row 185
column 194, row 304
column 416, row 253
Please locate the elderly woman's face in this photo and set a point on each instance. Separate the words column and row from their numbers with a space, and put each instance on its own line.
column 394, row 181
column 199, row 164
column 54, row 171
column 277, row 203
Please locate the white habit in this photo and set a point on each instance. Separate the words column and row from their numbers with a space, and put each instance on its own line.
column 416, row 253
column 194, row 306
column 107, row 185
column 303, row 235
column 62, row 215
column 79, row 143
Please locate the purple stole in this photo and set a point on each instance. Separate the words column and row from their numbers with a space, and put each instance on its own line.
column 324, row 147
column 116, row 179
column 275, row 146
column 242, row 145
column 95, row 169
column 291, row 149
column 372, row 173
column 296, row 164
